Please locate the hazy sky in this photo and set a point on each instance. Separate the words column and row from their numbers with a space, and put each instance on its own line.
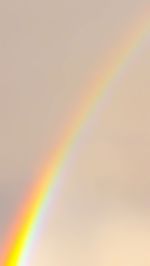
column 49, row 51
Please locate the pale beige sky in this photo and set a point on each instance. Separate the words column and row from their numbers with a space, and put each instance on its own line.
column 49, row 52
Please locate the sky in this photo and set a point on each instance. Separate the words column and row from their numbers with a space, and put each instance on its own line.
column 50, row 51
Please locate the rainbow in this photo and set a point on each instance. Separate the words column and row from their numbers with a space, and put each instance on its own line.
column 21, row 235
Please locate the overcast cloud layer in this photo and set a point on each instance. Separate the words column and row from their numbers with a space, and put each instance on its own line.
column 49, row 51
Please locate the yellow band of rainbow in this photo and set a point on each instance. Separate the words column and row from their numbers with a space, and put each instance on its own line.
column 19, row 238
